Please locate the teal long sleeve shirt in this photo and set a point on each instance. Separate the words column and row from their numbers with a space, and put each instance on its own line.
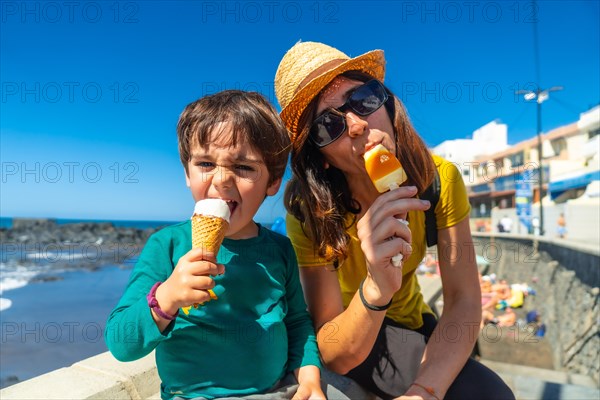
column 242, row 343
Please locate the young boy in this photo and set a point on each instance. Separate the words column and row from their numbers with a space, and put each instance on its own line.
column 234, row 147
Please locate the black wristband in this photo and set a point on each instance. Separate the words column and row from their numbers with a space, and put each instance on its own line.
column 371, row 306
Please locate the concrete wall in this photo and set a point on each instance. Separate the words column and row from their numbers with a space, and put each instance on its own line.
column 98, row 377
column 582, row 216
column 566, row 276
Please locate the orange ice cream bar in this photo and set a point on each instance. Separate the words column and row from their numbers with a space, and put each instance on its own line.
column 384, row 169
column 387, row 173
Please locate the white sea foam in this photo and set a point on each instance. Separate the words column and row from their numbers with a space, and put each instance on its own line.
column 5, row 303
column 51, row 256
column 13, row 276
column 12, row 283
column 17, row 271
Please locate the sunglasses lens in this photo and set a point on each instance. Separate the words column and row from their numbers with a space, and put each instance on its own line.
column 364, row 100
column 327, row 128
column 368, row 98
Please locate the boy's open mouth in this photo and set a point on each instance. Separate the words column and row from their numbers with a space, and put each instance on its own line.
column 232, row 205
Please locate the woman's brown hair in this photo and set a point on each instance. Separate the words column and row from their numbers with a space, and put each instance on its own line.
column 320, row 198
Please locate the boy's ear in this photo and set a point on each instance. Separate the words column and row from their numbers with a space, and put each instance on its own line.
column 187, row 178
column 274, row 187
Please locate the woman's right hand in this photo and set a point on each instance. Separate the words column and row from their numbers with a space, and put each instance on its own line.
column 382, row 236
column 190, row 281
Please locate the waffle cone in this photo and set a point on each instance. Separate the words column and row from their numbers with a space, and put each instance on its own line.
column 208, row 232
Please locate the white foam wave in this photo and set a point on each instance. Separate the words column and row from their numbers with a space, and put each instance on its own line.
column 50, row 256
column 12, row 283
column 5, row 303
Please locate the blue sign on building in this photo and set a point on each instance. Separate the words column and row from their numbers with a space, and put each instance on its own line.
column 523, row 197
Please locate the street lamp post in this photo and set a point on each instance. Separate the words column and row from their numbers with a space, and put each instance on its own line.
column 541, row 174
column 540, row 95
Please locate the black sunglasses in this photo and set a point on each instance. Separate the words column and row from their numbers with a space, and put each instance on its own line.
column 364, row 100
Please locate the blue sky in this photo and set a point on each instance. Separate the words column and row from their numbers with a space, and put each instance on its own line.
column 91, row 90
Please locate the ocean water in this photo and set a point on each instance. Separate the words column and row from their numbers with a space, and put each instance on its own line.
column 53, row 324
column 6, row 222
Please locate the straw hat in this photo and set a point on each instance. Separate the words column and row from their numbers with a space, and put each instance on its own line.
column 308, row 67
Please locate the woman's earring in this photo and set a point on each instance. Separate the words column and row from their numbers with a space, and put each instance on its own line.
column 326, row 165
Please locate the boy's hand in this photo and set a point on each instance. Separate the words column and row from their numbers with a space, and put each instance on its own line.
column 189, row 282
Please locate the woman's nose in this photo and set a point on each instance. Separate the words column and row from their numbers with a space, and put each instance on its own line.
column 356, row 125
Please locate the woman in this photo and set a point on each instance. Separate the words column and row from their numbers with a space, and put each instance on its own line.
column 372, row 322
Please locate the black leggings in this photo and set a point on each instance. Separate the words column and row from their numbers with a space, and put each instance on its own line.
column 393, row 363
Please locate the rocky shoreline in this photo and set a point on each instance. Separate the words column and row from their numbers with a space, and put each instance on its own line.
column 87, row 244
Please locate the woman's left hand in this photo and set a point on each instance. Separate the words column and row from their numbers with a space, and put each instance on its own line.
column 309, row 391
column 416, row 393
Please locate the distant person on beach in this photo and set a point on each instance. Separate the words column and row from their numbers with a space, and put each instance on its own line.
column 428, row 265
column 535, row 224
column 506, row 224
column 372, row 322
column 509, row 318
column 257, row 336
column 561, row 230
column 500, row 227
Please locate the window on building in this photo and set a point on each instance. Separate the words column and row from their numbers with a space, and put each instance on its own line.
column 594, row 133
column 490, row 170
column 480, row 208
column 517, row 159
column 482, row 170
column 559, row 145
column 505, row 202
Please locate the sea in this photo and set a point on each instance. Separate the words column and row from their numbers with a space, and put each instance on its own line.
column 52, row 310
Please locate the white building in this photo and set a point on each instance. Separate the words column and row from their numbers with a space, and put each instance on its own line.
column 488, row 139
column 570, row 184
column 577, row 171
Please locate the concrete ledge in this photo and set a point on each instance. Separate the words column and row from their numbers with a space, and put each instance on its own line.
column 98, row 377
column 68, row 383
column 140, row 376
column 537, row 383
column 590, row 248
column 548, row 375
column 515, row 346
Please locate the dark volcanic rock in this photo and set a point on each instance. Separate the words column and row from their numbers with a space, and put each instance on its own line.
column 8, row 381
column 92, row 241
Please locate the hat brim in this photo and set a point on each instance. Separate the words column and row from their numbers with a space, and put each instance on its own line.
column 371, row 63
